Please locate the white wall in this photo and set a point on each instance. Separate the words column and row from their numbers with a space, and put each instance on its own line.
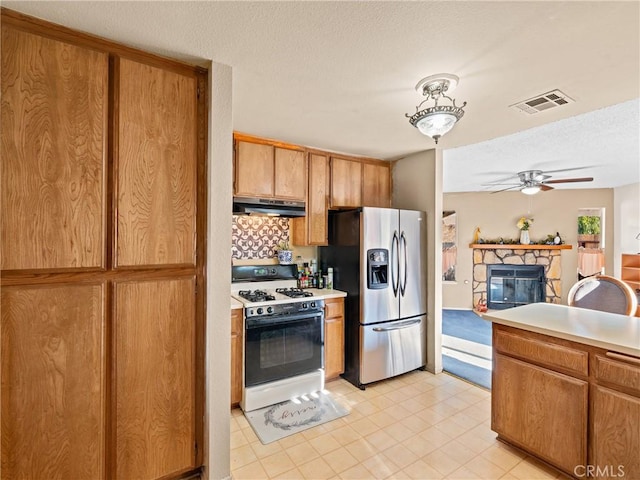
column 417, row 185
column 496, row 215
column 626, row 222
column 218, row 275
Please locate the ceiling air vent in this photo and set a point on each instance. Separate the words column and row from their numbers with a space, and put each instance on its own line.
column 554, row 98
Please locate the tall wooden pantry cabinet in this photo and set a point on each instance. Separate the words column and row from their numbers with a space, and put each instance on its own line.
column 102, row 255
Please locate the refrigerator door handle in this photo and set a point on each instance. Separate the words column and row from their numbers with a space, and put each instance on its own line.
column 398, row 326
column 403, row 284
column 395, row 263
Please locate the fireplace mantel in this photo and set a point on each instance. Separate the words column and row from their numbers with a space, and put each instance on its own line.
column 517, row 246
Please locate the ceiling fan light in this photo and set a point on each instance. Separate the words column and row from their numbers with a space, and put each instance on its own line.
column 530, row 189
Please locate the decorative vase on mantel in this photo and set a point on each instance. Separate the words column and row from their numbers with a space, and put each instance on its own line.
column 524, row 237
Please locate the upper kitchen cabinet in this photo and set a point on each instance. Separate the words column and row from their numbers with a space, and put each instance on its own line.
column 54, row 123
column 156, row 164
column 346, row 183
column 265, row 169
column 312, row 229
column 376, row 185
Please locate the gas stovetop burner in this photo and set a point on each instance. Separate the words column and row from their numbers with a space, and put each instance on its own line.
column 294, row 292
column 256, row 295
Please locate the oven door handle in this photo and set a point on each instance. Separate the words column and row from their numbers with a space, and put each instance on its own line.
column 398, row 326
column 258, row 322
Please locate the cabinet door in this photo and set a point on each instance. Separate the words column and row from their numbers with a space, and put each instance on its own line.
column 317, row 204
column 156, row 164
column 540, row 410
column 155, row 377
column 376, row 191
column 615, row 432
column 346, row 183
column 313, row 228
column 53, row 391
column 290, row 179
column 237, row 349
column 54, row 117
column 254, row 170
column 333, row 338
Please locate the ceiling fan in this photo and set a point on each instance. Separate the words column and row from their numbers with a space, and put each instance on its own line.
column 531, row 182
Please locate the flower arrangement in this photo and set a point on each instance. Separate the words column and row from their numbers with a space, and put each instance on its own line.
column 524, row 223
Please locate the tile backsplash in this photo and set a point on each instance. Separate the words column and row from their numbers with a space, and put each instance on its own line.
column 255, row 237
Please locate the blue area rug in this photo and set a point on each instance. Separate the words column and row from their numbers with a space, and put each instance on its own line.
column 470, row 327
column 466, row 324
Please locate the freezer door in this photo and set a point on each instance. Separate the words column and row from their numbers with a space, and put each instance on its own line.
column 391, row 348
column 379, row 229
column 412, row 263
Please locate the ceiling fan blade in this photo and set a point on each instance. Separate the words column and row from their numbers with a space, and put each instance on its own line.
column 515, row 184
column 566, row 169
column 545, row 188
column 508, row 188
column 571, row 180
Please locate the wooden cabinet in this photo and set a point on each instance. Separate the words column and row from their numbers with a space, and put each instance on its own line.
column 237, row 355
column 156, row 163
column 313, row 228
column 54, row 156
column 333, row 337
column 376, row 185
column 346, row 183
column 265, row 170
column 540, row 410
column 102, row 274
column 53, row 381
column 615, row 414
column 155, row 356
column 570, row 404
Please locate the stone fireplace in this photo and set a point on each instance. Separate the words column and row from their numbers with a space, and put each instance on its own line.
column 547, row 256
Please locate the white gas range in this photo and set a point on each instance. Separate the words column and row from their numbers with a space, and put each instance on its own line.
column 284, row 335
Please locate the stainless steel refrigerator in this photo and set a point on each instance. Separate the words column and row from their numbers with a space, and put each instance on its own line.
column 378, row 257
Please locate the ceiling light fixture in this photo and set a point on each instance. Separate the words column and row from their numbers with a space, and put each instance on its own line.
column 437, row 120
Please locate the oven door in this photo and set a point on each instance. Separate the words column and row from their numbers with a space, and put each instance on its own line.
column 282, row 347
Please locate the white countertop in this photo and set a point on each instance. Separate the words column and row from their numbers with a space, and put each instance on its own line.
column 618, row 333
column 318, row 294
column 236, row 304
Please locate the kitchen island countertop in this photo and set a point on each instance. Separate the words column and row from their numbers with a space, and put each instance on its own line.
column 619, row 333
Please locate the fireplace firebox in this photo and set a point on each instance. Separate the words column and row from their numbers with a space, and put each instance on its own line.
column 513, row 285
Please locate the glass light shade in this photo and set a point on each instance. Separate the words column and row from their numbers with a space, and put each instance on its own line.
column 530, row 190
column 436, row 124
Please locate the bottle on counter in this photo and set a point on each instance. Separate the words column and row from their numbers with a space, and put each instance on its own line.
column 329, row 278
column 320, row 280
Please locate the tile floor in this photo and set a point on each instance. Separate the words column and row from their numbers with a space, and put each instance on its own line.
column 416, row 426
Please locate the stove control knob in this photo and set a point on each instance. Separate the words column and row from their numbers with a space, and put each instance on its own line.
column 259, row 311
column 313, row 304
column 304, row 305
column 269, row 309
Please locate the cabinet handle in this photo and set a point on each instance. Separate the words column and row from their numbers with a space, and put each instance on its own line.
column 623, row 358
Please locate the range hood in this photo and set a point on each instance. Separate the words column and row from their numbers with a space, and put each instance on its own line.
column 265, row 206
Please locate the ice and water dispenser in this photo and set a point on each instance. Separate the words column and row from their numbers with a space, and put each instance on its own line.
column 377, row 268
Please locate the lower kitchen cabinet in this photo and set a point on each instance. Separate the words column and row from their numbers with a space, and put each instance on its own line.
column 237, row 347
column 540, row 410
column 572, row 405
column 615, row 415
column 333, row 337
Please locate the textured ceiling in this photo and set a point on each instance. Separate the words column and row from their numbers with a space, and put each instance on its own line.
column 340, row 76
